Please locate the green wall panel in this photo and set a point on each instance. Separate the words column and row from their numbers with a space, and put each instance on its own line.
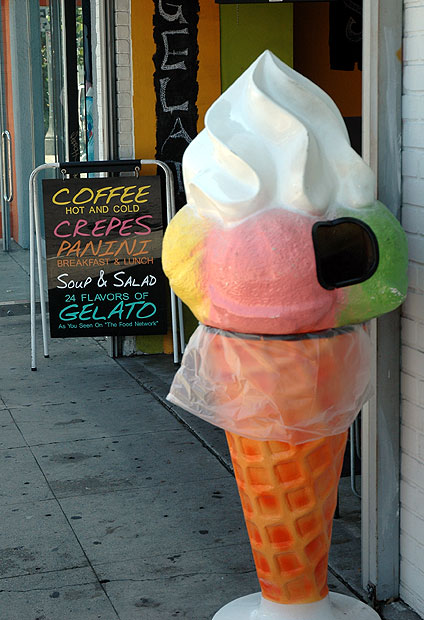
column 249, row 29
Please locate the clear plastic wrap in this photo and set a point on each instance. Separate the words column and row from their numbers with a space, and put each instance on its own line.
column 280, row 388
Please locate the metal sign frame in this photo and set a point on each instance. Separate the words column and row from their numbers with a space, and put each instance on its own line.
column 35, row 248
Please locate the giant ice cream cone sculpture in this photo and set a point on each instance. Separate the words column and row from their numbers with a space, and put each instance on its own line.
column 282, row 253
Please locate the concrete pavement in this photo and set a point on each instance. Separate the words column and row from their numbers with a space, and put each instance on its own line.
column 114, row 504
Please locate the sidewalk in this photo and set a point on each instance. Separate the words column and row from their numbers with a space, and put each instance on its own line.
column 114, row 504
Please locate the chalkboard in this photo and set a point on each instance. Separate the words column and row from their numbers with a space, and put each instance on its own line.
column 103, row 249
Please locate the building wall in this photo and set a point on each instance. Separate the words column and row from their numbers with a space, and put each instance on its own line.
column 412, row 360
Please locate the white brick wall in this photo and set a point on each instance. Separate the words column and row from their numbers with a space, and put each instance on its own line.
column 123, row 79
column 412, row 360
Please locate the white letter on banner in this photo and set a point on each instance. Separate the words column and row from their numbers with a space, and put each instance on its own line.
column 171, row 18
column 177, row 65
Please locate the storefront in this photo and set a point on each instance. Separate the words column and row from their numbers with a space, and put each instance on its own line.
column 57, row 77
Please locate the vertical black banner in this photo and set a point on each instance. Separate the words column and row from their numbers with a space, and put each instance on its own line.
column 175, row 80
column 103, row 247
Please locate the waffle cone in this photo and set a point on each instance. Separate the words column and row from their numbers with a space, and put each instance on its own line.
column 289, row 495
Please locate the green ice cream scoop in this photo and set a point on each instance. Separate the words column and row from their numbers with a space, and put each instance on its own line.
column 385, row 289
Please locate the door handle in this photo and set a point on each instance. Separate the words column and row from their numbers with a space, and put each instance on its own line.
column 6, row 152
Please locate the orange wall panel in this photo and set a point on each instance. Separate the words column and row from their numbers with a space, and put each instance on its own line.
column 144, row 98
column 312, row 58
column 209, row 73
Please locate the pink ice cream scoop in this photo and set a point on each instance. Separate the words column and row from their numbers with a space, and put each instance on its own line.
column 255, row 286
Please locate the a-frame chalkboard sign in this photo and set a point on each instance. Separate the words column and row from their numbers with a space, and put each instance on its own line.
column 103, row 253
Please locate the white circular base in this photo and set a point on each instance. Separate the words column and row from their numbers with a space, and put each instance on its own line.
column 332, row 607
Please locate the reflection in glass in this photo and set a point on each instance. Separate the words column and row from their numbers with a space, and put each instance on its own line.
column 67, row 79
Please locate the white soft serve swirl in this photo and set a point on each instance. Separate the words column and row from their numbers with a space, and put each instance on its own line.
column 273, row 139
